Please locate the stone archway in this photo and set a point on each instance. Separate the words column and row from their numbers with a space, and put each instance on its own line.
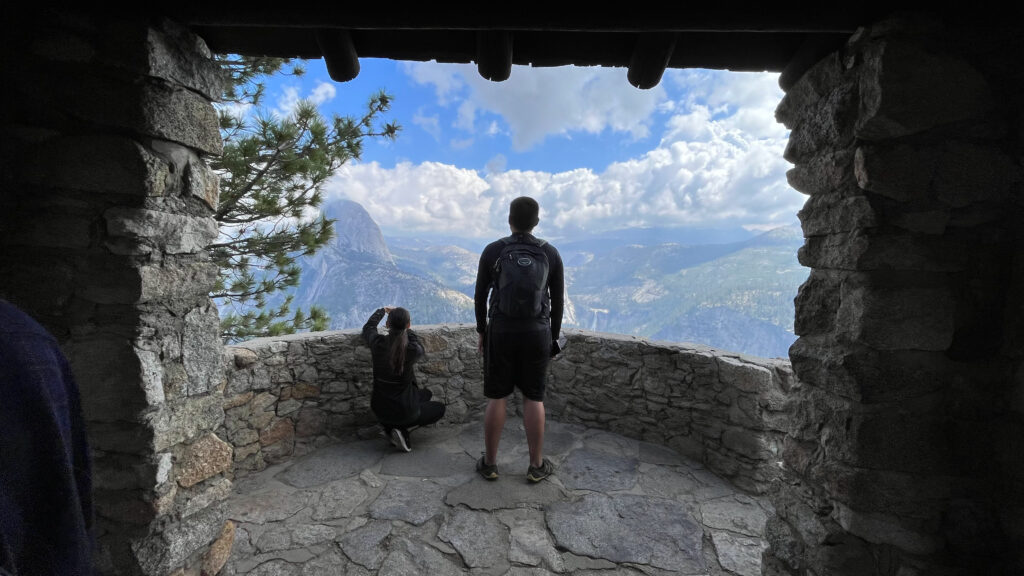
column 904, row 456
column 105, row 212
column 904, row 452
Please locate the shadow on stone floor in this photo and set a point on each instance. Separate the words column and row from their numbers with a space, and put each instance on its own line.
column 616, row 506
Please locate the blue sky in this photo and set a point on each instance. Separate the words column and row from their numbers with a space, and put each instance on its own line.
column 701, row 150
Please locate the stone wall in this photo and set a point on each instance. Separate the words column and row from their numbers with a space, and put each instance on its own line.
column 904, row 455
column 105, row 213
column 288, row 395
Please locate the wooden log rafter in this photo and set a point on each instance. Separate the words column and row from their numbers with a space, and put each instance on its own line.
column 494, row 54
column 650, row 58
column 339, row 53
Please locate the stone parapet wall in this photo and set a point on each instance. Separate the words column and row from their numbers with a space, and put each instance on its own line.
column 903, row 438
column 288, row 395
column 724, row 409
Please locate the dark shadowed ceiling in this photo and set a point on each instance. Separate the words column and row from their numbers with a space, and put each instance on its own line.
column 645, row 43
column 783, row 39
column 644, row 38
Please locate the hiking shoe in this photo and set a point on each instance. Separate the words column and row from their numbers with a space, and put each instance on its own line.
column 488, row 471
column 538, row 473
column 398, row 440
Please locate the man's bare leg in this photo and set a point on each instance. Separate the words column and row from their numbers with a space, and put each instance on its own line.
column 494, row 423
column 533, row 421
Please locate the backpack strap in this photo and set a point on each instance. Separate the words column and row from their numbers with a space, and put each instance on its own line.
column 512, row 240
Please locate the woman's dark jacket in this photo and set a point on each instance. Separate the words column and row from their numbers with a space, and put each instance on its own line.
column 395, row 400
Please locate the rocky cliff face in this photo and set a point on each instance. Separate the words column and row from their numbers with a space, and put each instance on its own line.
column 356, row 232
column 356, row 274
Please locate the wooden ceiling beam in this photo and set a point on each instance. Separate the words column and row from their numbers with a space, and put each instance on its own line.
column 841, row 17
column 494, row 54
column 650, row 57
column 339, row 54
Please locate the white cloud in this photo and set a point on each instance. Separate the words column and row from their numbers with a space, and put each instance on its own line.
column 461, row 143
column 716, row 164
column 237, row 110
column 693, row 125
column 539, row 102
column 290, row 97
column 287, row 101
column 324, row 92
column 430, row 124
column 429, row 197
column 493, row 129
column 446, row 79
column 747, row 99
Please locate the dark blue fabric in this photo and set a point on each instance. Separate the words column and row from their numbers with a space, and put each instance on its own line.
column 46, row 511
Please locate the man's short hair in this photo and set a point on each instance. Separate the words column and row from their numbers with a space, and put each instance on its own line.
column 523, row 213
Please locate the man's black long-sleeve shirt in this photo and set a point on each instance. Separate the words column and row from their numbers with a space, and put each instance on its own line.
column 485, row 280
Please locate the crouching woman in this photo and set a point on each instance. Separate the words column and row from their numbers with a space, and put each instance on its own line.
column 397, row 401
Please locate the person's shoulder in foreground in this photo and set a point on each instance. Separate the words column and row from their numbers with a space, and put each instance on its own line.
column 46, row 513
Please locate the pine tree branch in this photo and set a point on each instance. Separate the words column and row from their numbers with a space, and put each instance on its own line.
column 222, row 211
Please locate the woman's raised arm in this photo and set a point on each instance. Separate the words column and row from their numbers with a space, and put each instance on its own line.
column 370, row 328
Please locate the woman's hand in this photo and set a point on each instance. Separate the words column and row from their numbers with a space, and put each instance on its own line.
column 388, row 309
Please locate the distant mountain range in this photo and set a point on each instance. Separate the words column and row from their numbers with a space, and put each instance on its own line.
column 736, row 296
column 724, row 288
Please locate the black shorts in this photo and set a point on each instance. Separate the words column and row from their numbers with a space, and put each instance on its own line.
column 516, row 360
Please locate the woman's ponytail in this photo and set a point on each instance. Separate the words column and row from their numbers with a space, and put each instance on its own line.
column 398, row 323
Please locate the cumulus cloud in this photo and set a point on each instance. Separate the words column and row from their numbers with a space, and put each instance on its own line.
column 743, row 100
column 428, row 197
column 717, row 163
column 539, row 102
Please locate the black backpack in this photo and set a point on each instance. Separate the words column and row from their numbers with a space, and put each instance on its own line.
column 521, row 279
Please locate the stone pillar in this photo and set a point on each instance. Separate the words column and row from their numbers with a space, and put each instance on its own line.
column 904, row 452
column 105, row 213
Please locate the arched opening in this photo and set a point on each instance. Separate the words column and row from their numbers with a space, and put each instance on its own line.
column 670, row 207
column 903, row 454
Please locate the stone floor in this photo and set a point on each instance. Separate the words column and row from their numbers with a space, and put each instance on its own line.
column 616, row 506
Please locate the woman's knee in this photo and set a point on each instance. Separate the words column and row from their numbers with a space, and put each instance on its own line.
column 431, row 412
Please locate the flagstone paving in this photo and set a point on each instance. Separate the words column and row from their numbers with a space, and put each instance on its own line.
column 614, row 507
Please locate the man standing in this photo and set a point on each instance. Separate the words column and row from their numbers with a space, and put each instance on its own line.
column 517, row 329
